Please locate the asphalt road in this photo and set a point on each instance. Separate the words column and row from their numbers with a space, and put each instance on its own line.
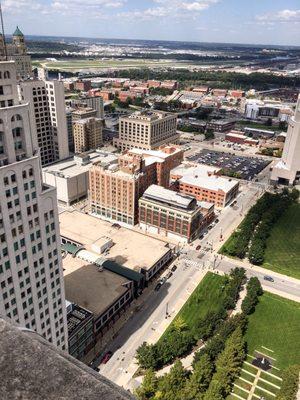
column 149, row 322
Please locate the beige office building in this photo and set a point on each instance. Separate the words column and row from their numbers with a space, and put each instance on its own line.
column 147, row 130
column 87, row 134
column 48, row 117
column 83, row 113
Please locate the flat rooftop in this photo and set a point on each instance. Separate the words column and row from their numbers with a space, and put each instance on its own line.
column 131, row 249
column 156, row 153
column 214, row 183
column 173, row 199
column 195, row 170
column 89, row 288
column 69, row 167
column 148, row 116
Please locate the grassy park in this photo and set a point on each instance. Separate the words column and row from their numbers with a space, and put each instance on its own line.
column 275, row 325
column 273, row 330
column 207, row 297
column 283, row 246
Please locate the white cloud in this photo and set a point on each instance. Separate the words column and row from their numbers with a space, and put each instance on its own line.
column 280, row 16
column 170, row 8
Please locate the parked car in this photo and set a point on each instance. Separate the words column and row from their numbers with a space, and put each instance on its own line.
column 158, row 286
column 169, row 275
column 198, row 247
column 106, row 357
column 268, row 278
column 216, row 220
column 174, row 268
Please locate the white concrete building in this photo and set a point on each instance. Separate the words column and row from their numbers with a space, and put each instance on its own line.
column 48, row 117
column 287, row 170
column 71, row 176
column 31, row 277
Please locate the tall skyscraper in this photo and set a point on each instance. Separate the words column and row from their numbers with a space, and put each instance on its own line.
column 287, row 170
column 17, row 51
column 31, row 278
column 48, row 117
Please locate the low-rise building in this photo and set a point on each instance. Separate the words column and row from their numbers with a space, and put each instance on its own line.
column 171, row 214
column 105, row 294
column 205, row 186
column 221, row 125
column 239, row 138
column 83, row 85
column 125, row 250
column 71, row 176
column 80, row 330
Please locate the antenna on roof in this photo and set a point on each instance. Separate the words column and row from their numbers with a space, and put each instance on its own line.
column 3, row 34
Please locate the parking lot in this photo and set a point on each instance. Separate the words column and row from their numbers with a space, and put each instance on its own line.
column 245, row 167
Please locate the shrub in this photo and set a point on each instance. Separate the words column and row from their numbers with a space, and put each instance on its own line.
column 254, row 290
column 290, row 383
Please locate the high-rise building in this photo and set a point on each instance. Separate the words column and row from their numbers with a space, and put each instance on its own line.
column 94, row 102
column 116, row 189
column 17, row 51
column 48, row 117
column 147, row 130
column 31, row 278
column 69, row 119
column 287, row 170
column 83, row 112
column 87, row 134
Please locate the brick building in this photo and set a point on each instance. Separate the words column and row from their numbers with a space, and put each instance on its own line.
column 205, row 186
column 83, row 86
column 116, row 189
column 165, row 212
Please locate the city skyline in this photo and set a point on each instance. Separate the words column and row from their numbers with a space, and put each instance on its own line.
column 226, row 21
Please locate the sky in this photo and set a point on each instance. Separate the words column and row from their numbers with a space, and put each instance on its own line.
column 226, row 21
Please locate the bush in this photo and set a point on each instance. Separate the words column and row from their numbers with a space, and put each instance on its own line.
column 290, row 383
column 253, row 232
column 254, row 290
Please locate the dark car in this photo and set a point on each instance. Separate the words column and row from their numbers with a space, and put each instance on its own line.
column 216, row 220
column 169, row 275
column 198, row 247
column 158, row 286
column 174, row 268
column 268, row 278
column 106, row 357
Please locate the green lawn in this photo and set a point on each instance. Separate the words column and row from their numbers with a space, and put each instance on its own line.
column 257, row 125
column 275, row 325
column 208, row 296
column 283, row 246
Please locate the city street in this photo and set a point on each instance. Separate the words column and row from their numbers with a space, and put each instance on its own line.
column 149, row 323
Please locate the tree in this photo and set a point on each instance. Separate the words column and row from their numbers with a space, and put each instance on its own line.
column 171, row 384
column 148, row 387
column 199, row 380
column 290, row 383
column 228, row 365
column 215, row 391
column 147, row 356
